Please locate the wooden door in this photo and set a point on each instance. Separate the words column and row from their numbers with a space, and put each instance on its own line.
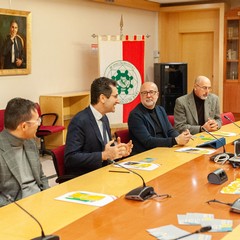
column 197, row 51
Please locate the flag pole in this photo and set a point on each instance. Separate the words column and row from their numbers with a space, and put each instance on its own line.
column 121, row 27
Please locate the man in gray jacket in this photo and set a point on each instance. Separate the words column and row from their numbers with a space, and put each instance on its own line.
column 198, row 109
column 21, row 172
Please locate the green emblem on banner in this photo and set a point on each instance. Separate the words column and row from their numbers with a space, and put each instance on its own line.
column 128, row 80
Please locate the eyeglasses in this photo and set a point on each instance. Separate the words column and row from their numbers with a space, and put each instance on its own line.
column 151, row 93
column 38, row 121
column 205, row 88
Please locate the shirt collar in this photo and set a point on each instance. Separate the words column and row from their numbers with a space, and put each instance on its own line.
column 97, row 115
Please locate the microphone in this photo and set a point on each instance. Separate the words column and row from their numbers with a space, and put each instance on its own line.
column 222, row 157
column 43, row 236
column 230, row 120
column 201, row 230
column 140, row 193
column 222, row 141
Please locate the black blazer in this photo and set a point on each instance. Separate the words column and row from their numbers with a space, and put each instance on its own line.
column 84, row 144
column 142, row 130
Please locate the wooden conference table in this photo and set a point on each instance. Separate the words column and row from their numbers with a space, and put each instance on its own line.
column 182, row 175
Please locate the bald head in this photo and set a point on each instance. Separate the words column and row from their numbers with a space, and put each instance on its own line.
column 149, row 94
column 151, row 85
column 202, row 79
column 202, row 87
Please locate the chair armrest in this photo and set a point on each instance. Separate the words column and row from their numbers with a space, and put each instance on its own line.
column 53, row 115
column 64, row 178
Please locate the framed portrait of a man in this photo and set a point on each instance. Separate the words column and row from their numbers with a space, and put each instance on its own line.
column 15, row 42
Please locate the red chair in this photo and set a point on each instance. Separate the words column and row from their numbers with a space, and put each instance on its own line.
column 47, row 128
column 171, row 119
column 2, row 111
column 123, row 134
column 228, row 115
column 58, row 161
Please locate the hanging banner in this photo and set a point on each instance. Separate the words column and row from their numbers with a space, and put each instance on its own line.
column 123, row 61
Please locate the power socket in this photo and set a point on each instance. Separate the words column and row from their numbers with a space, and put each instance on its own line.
column 236, row 206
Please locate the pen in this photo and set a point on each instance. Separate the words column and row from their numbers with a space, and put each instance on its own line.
column 118, row 171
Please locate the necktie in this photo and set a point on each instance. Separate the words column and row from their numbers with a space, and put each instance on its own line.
column 104, row 132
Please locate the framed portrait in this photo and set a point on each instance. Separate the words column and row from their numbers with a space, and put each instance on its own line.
column 15, row 42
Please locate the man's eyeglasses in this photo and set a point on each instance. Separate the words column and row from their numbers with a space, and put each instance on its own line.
column 151, row 93
column 38, row 121
column 205, row 88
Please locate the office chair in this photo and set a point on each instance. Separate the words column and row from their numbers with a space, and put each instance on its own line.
column 2, row 111
column 224, row 120
column 46, row 129
column 123, row 134
column 58, row 161
column 171, row 119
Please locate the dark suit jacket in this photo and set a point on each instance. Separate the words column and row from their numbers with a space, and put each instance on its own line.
column 142, row 130
column 10, row 178
column 84, row 143
column 7, row 53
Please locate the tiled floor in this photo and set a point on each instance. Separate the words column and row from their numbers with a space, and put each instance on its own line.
column 48, row 169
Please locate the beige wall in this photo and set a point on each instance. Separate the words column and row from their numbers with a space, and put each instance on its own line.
column 194, row 34
column 62, row 59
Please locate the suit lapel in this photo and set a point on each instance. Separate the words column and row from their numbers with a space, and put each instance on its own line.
column 192, row 107
column 31, row 154
column 95, row 126
column 207, row 108
column 10, row 160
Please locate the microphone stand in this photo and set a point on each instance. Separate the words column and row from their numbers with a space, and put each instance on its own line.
column 220, row 156
column 43, row 236
column 230, row 120
column 140, row 193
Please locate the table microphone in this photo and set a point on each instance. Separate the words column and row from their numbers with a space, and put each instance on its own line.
column 230, row 120
column 224, row 156
column 201, row 230
column 43, row 236
column 140, row 193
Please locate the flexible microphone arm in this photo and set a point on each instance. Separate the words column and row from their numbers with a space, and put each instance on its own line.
column 43, row 236
column 205, row 130
column 112, row 161
column 138, row 194
column 230, row 120
column 201, row 230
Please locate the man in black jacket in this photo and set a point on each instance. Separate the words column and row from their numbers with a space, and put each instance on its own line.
column 148, row 124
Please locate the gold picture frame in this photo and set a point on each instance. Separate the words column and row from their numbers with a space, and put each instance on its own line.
column 15, row 42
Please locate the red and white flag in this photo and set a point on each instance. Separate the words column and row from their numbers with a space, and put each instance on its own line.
column 123, row 61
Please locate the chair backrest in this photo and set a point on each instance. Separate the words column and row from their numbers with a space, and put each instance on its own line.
column 171, row 119
column 58, row 159
column 38, row 109
column 123, row 134
column 2, row 111
column 224, row 120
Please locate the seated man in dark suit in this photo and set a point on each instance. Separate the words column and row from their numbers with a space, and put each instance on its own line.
column 198, row 109
column 89, row 144
column 148, row 124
